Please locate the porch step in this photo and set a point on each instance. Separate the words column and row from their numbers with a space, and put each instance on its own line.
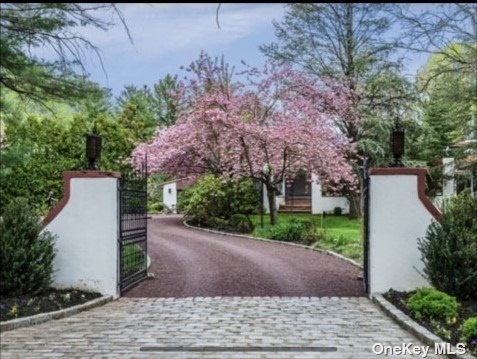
column 298, row 202
column 295, row 208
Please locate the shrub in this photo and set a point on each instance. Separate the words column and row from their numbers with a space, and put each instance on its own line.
column 237, row 223
column 468, row 330
column 338, row 211
column 218, row 223
column 241, row 223
column 449, row 250
column 212, row 201
column 432, row 304
column 288, row 232
column 26, row 252
column 307, row 223
column 154, row 207
column 311, row 233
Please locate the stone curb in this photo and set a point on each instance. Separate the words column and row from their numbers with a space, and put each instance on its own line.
column 349, row 260
column 44, row 317
column 413, row 327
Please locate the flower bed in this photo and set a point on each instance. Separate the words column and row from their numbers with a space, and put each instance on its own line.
column 13, row 307
column 449, row 331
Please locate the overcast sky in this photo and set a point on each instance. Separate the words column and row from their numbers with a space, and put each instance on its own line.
column 167, row 36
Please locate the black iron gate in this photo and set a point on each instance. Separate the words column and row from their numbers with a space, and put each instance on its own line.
column 132, row 228
column 366, row 224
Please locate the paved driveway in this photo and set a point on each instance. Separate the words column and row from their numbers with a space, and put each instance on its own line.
column 191, row 263
column 232, row 324
column 121, row 328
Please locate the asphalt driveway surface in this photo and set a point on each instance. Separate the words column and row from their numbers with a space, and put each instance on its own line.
column 192, row 263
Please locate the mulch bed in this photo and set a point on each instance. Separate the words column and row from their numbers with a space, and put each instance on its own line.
column 13, row 307
column 448, row 332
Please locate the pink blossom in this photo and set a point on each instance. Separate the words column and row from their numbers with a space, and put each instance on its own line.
column 279, row 122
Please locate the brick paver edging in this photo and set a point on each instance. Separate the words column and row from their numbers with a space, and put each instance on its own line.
column 277, row 242
column 405, row 322
column 44, row 317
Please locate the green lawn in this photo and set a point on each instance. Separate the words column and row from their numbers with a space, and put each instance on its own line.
column 340, row 234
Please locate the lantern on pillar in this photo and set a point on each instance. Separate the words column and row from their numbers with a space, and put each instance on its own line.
column 93, row 149
column 397, row 145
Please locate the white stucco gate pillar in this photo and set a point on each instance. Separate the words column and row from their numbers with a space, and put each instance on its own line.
column 85, row 222
column 399, row 214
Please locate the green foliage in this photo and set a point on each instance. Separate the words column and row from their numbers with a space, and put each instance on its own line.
column 447, row 80
column 166, row 103
column 154, row 190
column 26, row 252
column 155, row 207
column 213, row 201
column 144, row 110
column 136, row 112
column 53, row 27
column 347, row 245
column 336, row 233
column 337, row 211
column 241, row 223
column 430, row 303
column 306, row 222
column 133, row 258
column 311, row 231
column 469, row 330
column 447, row 111
column 449, row 250
column 37, row 149
column 41, row 146
column 286, row 232
column 291, row 232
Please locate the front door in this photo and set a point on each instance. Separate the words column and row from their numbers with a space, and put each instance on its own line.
column 300, row 186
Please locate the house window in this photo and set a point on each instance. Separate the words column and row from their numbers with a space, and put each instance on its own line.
column 170, row 190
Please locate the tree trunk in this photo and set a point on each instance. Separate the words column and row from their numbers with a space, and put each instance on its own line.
column 355, row 198
column 354, row 205
column 271, row 193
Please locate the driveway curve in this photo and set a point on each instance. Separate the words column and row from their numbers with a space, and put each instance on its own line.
column 192, row 263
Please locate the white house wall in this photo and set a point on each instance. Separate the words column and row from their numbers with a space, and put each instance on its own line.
column 320, row 203
column 170, row 196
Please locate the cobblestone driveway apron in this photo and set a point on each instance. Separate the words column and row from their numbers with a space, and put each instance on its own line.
column 119, row 329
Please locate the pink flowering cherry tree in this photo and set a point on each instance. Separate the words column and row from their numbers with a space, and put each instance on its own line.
column 280, row 122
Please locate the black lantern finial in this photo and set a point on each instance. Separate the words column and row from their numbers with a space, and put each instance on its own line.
column 397, row 144
column 93, row 149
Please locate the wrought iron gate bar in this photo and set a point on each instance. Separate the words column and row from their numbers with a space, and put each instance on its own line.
column 132, row 229
column 366, row 224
